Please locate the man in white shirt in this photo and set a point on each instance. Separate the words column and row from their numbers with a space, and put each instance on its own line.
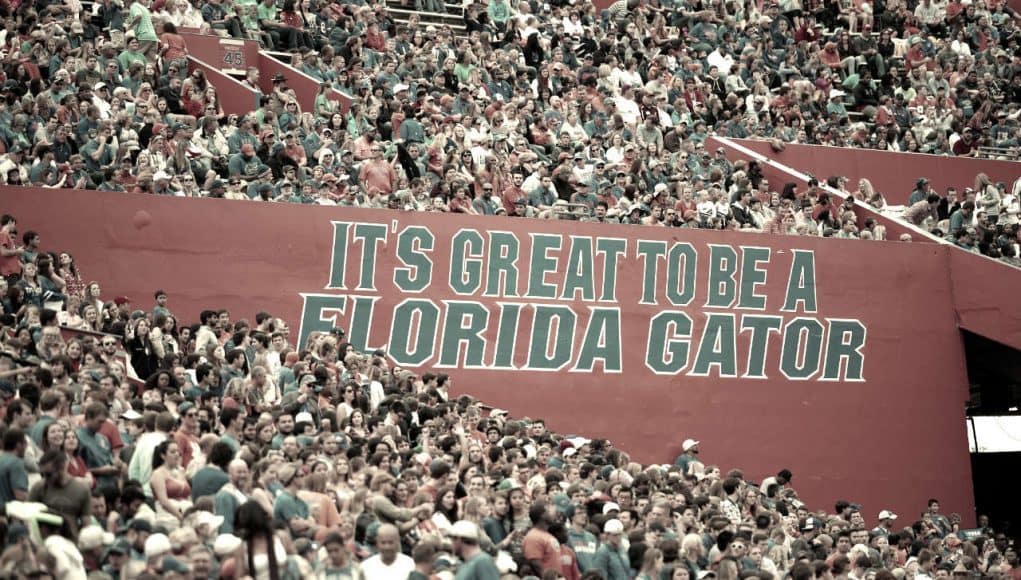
column 721, row 59
column 781, row 479
column 389, row 562
column 140, row 468
column 628, row 108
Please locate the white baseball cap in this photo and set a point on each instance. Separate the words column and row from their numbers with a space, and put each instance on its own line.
column 92, row 537
column 613, row 526
column 208, row 518
column 887, row 515
column 610, row 507
column 226, row 544
column 464, row 529
column 156, row 545
column 688, row 444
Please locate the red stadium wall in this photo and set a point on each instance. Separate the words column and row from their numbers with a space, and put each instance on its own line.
column 229, row 55
column 985, row 297
column 235, row 98
column 778, row 173
column 232, row 56
column 893, row 174
column 304, row 86
column 688, row 333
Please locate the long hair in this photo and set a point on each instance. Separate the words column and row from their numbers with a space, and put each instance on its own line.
column 409, row 165
column 160, row 453
column 252, row 521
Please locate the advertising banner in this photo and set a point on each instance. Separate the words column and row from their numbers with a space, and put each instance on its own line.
column 838, row 359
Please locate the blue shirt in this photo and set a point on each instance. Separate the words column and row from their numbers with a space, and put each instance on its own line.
column 96, row 452
column 611, row 563
column 13, row 477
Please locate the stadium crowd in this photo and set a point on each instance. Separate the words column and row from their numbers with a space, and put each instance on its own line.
column 534, row 109
column 140, row 446
column 981, row 219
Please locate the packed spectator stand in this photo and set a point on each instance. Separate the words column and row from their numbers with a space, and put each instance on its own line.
column 545, row 110
column 219, row 449
column 137, row 446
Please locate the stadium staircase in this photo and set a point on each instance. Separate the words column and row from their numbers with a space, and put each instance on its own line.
column 983, row 288
column 453, row 18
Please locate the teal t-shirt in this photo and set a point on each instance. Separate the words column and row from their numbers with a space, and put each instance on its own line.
column 208, row 481
column 13, row 477
column 584, row 545
column 344, row 573
column 96, row 452
column 266, row 12
column 287, row 507
column 36, row 432
column 481, row 567
column 143, row 28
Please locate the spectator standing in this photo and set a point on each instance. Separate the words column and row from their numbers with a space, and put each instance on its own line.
column 140, row 21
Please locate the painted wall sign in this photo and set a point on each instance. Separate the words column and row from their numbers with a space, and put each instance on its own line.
column 838, row 359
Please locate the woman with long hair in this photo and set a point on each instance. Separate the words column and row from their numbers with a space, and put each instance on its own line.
column 91, row 319
column 69, row 272
column 75, row 353
column 164, row 332
column 262, row 556
column 354, row 424
column 169, row 484
column 265, row 475
column 446, row 511
column 987, row 196
column 144, row 353
column 195, row 80
column 347, row 403
column 322, row 507
column 652, row 563
column 75, row 464
column 53, row 285
column 173, row 48
column 693, row 553
column 31, row 284
column 53, row 436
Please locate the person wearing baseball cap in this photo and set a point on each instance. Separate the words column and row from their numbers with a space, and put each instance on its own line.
column 476, row 564
column 611, row 559
column 92, row 543
column 886, row 519
column 920, row 192
column 689, row 453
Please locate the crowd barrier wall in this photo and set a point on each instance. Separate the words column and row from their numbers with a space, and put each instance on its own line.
column 892, row 174
column 236, row 98
column 234, row 57
column 304, row 86
column 838, row 359
column 229, row 55
column 985, row 297
column 779, row 174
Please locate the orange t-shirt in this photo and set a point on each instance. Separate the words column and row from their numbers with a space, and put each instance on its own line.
column 542, row 547
column 8, row 264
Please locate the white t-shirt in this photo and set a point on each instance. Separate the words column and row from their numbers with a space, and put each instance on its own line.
column 375, row 569
column 70, row 563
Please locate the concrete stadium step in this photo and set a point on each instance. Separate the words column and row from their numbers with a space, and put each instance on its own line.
column 454, row 21
column 451, row 7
